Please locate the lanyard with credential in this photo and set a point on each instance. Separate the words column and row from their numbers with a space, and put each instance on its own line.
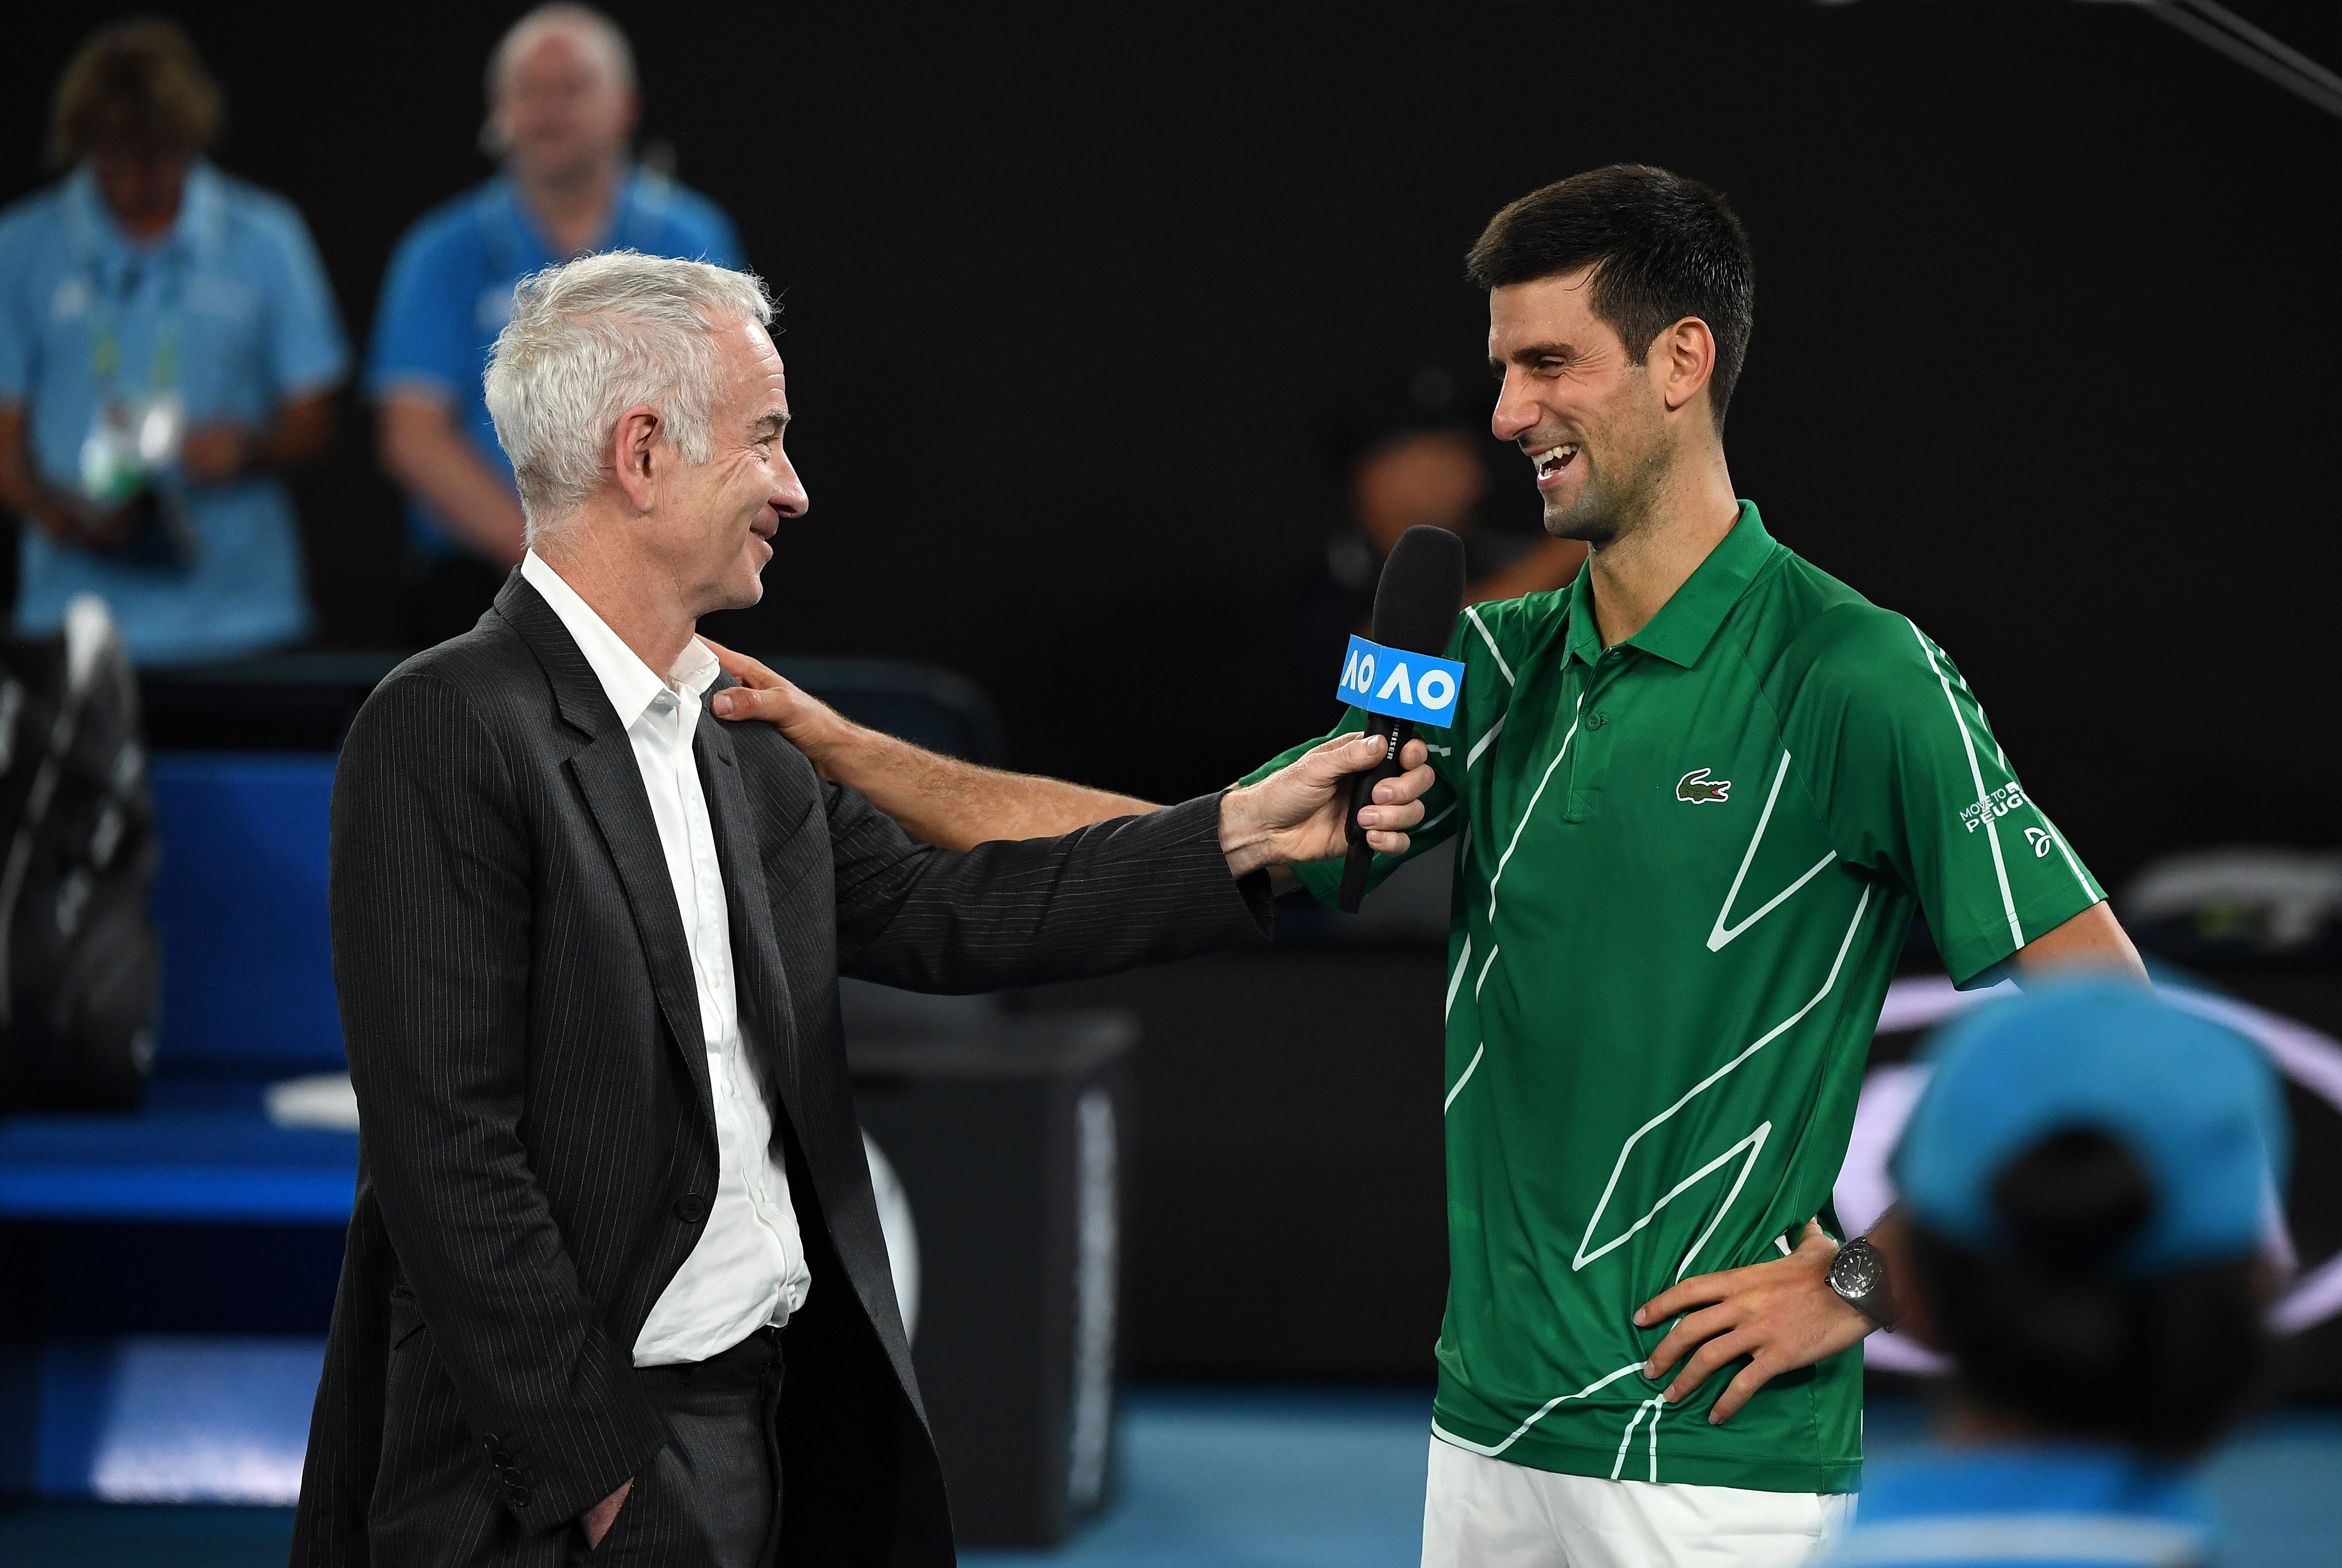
column 133, row 442
column 133, row 439
column 105, row 336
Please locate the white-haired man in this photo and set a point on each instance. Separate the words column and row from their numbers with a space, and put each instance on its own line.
column 587, row 950
column 562, row 108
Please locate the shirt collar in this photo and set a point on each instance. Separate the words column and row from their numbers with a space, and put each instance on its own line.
column 202, row 210
column 202, row 206
column 617, row 234
column 625, row 680
column 1687, row 622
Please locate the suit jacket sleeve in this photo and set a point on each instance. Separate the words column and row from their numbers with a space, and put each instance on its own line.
column 430, row 898
column 1134, row 890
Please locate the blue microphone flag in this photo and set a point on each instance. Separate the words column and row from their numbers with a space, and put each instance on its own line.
column 1400, row 684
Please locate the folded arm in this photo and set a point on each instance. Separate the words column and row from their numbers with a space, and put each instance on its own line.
column 430, row 902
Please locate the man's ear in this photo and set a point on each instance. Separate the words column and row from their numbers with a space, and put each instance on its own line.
column 634, row 455
column 1681, row 360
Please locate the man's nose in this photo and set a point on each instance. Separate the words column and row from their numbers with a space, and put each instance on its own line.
column 789, row 497
column 1515, row 412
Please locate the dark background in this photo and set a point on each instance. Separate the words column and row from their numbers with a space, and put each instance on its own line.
column 2045, row 357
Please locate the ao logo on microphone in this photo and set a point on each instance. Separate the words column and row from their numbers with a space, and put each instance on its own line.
column 1401, row 684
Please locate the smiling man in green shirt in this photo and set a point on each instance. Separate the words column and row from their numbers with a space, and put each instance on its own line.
column 1699, row 795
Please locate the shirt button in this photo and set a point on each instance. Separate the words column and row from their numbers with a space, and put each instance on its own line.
column 691, row 1208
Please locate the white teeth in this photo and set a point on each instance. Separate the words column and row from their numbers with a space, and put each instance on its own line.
column 1552, row 455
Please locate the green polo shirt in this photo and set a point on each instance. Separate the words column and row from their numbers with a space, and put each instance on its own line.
column 1688, row 863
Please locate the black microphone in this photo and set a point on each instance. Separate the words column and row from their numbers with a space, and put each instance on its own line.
column 1416, row 605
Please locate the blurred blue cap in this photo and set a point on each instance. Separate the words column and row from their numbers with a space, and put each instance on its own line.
column 2194, row 1103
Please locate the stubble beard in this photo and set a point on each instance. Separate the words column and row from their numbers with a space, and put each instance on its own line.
column 1604, row 512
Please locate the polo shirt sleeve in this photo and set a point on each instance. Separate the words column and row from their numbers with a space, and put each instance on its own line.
column 424, row 332
column 1904, row 769
column 306, row 351
column 1442, row 816
column 720, row 244
column 20, row 323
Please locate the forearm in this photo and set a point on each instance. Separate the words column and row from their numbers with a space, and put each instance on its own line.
column 1300, row 812
column 301, row 431
column 23, row 492
column 955, row 804
column 424, row 452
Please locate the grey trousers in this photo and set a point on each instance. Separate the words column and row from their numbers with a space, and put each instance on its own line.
column 711, row 1497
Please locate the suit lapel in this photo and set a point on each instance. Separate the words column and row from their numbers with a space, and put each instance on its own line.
column 762, row 987
column 611, row 782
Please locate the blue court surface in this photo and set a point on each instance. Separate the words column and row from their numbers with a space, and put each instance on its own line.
column 1263, row 1479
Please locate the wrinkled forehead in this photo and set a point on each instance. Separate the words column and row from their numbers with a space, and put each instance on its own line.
column 756, row 343
column 757, row 381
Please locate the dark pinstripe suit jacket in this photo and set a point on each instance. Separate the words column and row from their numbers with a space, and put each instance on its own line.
column 538, row 1143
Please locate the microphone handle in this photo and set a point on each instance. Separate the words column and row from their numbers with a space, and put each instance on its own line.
column 1360, row 859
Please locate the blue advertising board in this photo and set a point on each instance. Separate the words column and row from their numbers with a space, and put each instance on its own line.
column 1403, row 685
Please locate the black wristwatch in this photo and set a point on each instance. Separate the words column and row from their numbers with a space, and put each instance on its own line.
column 1859, row 1277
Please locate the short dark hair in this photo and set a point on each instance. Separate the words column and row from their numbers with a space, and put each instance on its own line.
column 2048, row 1328
column 136, row 85
column 1662, row 247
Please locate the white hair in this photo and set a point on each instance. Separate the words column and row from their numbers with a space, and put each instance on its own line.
column 589, row 26
column 591, row 338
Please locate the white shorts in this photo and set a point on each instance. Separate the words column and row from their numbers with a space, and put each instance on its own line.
column 1491, row 1514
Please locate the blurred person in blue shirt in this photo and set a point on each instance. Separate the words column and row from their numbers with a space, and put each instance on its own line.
column 2087, row 1182
column 168, row 343
column 562, row 112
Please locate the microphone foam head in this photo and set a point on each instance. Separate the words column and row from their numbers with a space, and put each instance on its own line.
column 1421, row 591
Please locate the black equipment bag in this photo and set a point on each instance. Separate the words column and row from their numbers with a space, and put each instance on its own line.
column 79, row 967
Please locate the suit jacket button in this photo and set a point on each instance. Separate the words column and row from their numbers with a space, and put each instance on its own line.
column 518, row 1497
column 691, row 1208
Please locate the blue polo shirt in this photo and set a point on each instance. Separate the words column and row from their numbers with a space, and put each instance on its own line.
column 450, row 288
column 237, row 304
column 2070, row 1506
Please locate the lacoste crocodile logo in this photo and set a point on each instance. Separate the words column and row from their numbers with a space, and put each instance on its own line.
column 1696, row 787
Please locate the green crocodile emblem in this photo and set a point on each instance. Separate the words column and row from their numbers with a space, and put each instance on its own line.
column 1699, row 789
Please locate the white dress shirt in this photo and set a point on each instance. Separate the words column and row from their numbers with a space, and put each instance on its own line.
column 749, row 1267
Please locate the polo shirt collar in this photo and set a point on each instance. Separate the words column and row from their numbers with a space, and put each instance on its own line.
column 626, row 213
column 625, row 680
column 202, row 210
column 203, row 206
column 1687, row 622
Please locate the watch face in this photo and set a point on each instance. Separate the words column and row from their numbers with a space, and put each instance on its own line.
column 1856, row 1273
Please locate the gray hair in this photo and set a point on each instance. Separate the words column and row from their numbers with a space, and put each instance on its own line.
column 596, row 31
column 590, row 339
